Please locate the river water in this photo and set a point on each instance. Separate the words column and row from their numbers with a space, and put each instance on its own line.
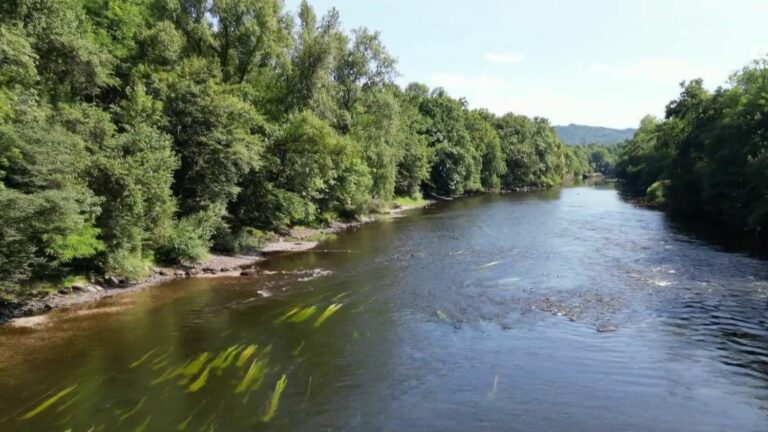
column 568, row 309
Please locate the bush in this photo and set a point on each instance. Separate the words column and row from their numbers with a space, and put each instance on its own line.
column 128, row 265
column 192, row 237
column 655, row 193
column 244, row 240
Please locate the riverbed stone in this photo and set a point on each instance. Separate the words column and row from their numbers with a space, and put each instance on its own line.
column 606, row 328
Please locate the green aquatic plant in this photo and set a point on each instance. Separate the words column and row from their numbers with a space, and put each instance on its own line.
column 227, row 358
column 142, row 359
column 48, row 402
column 183, row 425
column 303, row 314
column 298, row 349
column 330, row 310
column 201, row 381
column 194, row 367
column 246, row 355
column 163, row 359
column 255, row 372
column 224, row 359
column 159, row 365
column 142, row 427
column 275, row 399
column 134, row 410
column 340, row 296
column 288, row 314
column 218, row 364
column 69, row 402
column 187, row 370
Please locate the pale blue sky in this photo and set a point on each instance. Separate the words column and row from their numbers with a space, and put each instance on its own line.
column 597, row 62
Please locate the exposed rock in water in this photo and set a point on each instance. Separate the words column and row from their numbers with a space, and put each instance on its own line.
column 314, row 274
column 606, row 328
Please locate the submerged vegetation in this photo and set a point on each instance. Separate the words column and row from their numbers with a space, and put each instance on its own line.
column 156, row 130
column 242, row 369
column 709, row 156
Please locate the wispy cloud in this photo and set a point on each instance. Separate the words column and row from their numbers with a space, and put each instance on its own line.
column 661, row 70
column 504, row 57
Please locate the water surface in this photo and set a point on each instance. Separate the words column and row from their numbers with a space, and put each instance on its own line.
column 568, row 309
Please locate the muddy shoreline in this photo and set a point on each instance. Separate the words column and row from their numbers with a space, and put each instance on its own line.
column 25, row 313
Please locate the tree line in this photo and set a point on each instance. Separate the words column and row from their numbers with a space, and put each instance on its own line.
column 143, row 131
column 709, row 155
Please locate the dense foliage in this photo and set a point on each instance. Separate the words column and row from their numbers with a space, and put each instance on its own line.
column 709, row 156
column 146, row 130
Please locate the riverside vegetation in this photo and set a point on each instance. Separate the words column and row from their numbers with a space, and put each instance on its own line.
column 154, row 131
column 709, row 156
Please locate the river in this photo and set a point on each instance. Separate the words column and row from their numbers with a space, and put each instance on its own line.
column 568, row 309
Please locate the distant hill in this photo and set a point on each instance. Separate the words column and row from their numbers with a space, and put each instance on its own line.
column 578, row 134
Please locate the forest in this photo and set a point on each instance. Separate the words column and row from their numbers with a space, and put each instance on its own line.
column 708, row 157
column 154, row 131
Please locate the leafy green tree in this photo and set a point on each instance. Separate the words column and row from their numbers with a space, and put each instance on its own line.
column 215, row 133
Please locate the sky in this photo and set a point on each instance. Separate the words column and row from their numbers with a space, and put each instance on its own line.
column 595, row 62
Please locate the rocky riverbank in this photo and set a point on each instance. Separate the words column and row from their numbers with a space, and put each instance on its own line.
column 25, row 313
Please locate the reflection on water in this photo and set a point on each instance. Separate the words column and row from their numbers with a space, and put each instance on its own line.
column 565, row 309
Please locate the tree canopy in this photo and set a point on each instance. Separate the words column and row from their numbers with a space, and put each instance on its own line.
column 709, row 155
column 133, row 132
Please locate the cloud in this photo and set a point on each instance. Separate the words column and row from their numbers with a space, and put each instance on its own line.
column 661, row 70
column 504, row 57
